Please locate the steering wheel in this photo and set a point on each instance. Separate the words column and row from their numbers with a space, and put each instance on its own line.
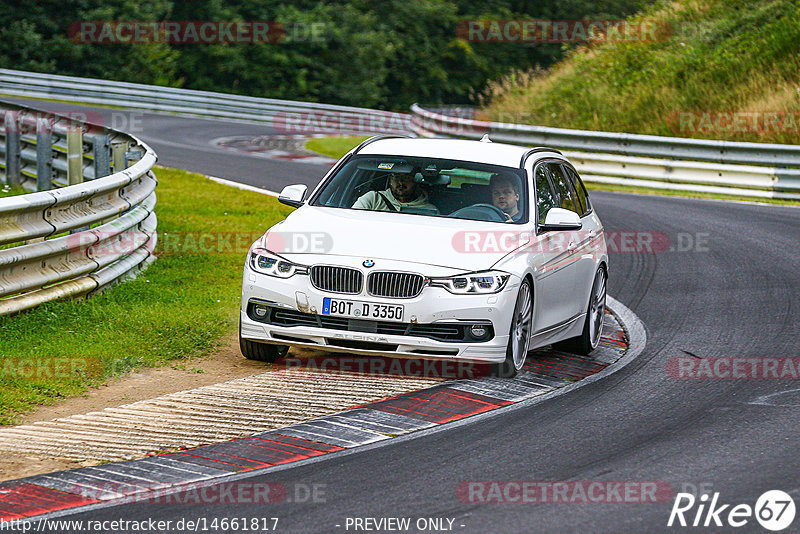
column 481, row 212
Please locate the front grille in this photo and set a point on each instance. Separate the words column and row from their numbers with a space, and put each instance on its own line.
column 395, row 285
column 337, row 279
column 452, row 332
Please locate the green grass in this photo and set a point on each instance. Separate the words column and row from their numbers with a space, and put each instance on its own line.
column 10, row 190
column 182, row 306
column 334, row 147
column 714, row 56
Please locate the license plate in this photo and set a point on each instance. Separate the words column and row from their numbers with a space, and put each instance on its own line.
column 362, row 310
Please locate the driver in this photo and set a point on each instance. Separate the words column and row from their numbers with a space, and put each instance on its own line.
column 505, row 196
column 403, row 191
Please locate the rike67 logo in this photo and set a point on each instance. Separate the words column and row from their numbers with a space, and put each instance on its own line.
column 774, row 510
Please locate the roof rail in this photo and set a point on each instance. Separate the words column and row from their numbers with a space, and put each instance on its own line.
column 533, row 151
column 378, row 138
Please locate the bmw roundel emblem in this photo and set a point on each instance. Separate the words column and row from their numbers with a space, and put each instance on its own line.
column 368, row 263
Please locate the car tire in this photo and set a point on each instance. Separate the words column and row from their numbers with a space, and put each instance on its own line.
column 262, row 352
column 519, row 335
column 593, row 325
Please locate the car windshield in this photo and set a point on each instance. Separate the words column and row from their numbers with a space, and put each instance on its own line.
column 428, row 187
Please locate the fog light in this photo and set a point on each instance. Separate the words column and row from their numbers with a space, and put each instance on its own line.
column 478, row 331
column 261, row 311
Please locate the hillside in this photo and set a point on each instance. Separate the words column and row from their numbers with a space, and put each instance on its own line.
column 720, row 69
column 387, row 54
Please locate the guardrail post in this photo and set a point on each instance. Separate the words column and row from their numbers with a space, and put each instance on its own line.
column 102, row 155
column 132, row 156
column 118, row 155
column 44, row 155
column 11, row 124
column 44, row 162
column 74, row 156
column 118, row 162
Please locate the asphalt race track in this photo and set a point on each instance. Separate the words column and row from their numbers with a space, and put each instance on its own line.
column 730, row 287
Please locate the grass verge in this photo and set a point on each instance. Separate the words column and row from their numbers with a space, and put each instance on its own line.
column 182, row 306
column 334, row 147
column 10, row 190
column 718, row 69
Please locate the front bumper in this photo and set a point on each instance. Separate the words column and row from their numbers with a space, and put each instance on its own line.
column 434, row 306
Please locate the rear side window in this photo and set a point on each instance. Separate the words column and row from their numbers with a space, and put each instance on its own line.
column 545, row 197
column 580, row 190
column 566, row 198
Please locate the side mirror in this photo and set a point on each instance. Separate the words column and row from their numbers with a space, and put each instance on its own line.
column 561, row 219
column 293, row 195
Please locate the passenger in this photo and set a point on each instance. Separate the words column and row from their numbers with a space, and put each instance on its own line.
column 505, row 193
column 403, row 191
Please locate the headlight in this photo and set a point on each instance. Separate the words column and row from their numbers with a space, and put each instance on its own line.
column 265, row 262
column 473, row 283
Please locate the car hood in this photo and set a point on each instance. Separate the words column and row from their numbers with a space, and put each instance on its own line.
column 312, row 232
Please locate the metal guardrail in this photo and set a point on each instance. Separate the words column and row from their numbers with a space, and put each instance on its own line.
column 286, row 115
column 71, row 237
column 746, row 169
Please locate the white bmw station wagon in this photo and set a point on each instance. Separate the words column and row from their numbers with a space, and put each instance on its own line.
column 431, row 248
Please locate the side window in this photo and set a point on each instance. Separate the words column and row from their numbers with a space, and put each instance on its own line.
column 545, row 198
column 561, row 185
column 580, row 189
